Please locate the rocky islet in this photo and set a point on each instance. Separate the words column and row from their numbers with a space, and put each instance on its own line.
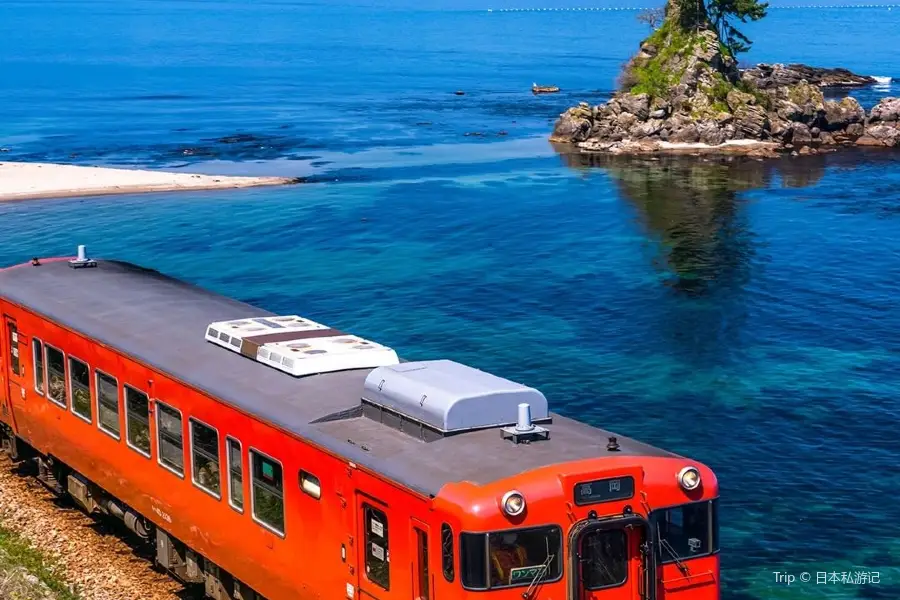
column 684, row 92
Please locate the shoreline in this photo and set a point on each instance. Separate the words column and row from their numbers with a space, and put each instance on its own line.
column 34, row 181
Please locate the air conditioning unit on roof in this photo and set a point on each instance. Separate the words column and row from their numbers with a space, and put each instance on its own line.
column 299, row 346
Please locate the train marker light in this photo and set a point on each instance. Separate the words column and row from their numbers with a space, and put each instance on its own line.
column 513, row 503
column 689, row 478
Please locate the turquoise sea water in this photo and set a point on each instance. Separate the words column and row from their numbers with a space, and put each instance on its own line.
column 742, row 313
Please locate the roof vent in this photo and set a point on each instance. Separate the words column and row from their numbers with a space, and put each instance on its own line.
column 448, row 397
column 82, row 261
column 298, row 346
column 524, row 431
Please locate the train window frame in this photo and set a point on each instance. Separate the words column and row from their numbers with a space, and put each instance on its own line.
column 160, row 406
column 65, row 402
column 37, row 358
column 71, row 383
column 128, row 419
column 369, row 532
column 231, row 469
column 191, row 423
column 116, row 435
column 253, row 454
column 448, row 558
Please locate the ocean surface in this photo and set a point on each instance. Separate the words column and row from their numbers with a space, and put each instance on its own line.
column 743, row 313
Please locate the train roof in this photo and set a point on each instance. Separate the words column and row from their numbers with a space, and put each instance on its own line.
column 161, row 322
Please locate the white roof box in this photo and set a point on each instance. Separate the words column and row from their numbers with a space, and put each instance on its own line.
column 299, row 346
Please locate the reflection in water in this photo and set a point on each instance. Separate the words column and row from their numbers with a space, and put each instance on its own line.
column 704, row 246
column 692, row 206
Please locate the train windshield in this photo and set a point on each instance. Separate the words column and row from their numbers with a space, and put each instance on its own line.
column 511, row 558
column 687, row 531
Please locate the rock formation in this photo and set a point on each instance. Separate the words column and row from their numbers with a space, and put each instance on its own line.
column 770, row 76
column 683, row 92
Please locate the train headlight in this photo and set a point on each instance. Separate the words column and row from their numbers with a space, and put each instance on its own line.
column 689, row 478
column 513, row 503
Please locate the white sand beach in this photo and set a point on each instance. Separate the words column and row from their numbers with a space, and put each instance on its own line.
column 22, row 181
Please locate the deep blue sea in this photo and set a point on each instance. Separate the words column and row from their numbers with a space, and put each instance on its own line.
column 743, row 313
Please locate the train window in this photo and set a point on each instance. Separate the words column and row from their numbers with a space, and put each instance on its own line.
column 472, row 560
column 107, row 404
column 137, row 420
column 686, row 531
column 205, row 458
column 267, row 491
column 447, row 561
column 604, row 559
column 170, row 438
column 423, row 583
column 235, row 475
column 80, row 388
column 517, row 557
column 378, row 565
column 14, row 363
column 310, row 485
column 37, row 352
column 56, row 375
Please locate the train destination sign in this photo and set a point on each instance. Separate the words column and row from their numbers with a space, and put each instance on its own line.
column 522, row 574
column 604, row 490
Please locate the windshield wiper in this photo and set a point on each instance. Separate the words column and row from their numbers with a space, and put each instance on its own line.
column 544, row 568
column 668, row 548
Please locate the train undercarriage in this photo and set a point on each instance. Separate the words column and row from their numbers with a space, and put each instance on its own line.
column 172, row 556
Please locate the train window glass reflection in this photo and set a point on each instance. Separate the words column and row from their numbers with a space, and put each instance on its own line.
column 515, row 557
column 447, row 561
column 56, row 375
column 80, row 388
column 472, row 560
column 108, row 404
column 378, row 565
column 685, row 531
column 37, row 351
column 267, row 491
column 14, row 361
column 604, row 559
column 170, row 438
column 235, row 475
column 137, row 420
column 205, row 457
column 520, row 557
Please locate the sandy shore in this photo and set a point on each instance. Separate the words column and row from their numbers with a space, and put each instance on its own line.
column 22, row 181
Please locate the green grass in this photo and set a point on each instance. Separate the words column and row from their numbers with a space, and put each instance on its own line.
column 15, row 552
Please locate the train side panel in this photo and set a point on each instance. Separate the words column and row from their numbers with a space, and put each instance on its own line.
column 327, row 545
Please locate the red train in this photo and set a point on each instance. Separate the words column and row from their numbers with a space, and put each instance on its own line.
column 270, row 456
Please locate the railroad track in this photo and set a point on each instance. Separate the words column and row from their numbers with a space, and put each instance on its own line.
column 94, row 553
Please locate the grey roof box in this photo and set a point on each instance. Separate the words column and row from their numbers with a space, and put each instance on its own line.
column 451, row 397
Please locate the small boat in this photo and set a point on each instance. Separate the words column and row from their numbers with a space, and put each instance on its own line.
column 543, row 89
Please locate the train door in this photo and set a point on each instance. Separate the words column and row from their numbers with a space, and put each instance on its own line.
column 419, row 542
column 13, row 372
column 611, row 564
column 377, row 536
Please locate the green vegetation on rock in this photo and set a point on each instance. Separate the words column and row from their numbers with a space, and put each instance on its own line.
column 655, row 75
column 694, row 47
column 26, row 574
column 719, row 15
